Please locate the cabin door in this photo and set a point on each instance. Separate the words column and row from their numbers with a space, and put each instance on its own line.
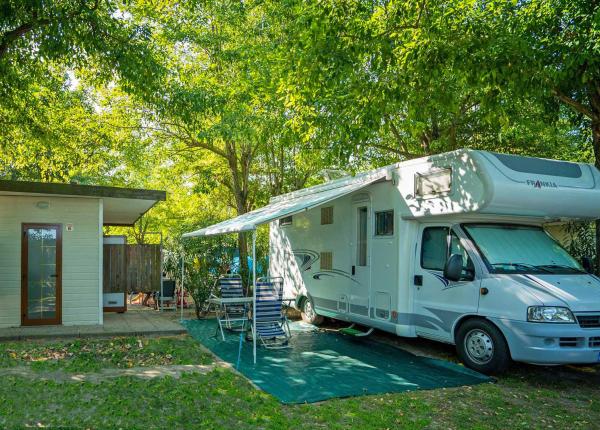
column 41, row 277
column 361, row 256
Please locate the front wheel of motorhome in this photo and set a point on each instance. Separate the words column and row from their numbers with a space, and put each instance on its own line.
column 482, row 347
column 308, row 312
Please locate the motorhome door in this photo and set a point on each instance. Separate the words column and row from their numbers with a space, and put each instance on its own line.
column 439, row 302
column 361, row 264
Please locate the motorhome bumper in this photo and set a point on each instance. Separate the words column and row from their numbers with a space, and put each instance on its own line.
column 548, row 343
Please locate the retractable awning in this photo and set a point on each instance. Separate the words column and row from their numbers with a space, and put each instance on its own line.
column 280, row 207
column 292, row 203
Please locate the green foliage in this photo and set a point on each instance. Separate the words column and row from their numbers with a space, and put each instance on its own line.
column 404, row 79
column 581, row 241
column 225, row 104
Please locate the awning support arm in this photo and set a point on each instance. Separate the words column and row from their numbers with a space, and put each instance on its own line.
column 254, row 293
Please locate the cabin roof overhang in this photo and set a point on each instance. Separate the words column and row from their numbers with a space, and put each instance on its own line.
column 121, row 206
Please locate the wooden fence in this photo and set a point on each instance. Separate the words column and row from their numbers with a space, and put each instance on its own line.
column 130, row 268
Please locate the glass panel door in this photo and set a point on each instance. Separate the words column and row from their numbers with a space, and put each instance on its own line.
column 41, row 267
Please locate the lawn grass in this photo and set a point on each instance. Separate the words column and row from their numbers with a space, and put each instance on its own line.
column 527, row 397
column 88, row 355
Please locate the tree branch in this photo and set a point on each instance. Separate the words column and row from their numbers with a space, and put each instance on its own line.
column 12, row 35
column 20, row 31
column 394, row 150
column 579, row 107
column 396, row 133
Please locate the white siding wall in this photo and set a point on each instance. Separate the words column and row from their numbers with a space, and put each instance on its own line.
column 81, row 255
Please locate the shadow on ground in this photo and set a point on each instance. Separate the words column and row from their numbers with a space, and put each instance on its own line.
column 541, row 376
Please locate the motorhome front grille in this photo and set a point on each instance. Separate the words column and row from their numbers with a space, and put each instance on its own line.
column 569, row 342
column 589, row 321
column 595, row 342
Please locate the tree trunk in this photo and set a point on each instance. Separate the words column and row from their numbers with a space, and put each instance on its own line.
column 244, row 270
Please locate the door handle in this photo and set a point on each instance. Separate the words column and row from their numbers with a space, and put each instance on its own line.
column 418, row 280
column 353, row 270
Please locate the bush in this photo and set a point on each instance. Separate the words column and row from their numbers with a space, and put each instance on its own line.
column 200, row 285
column 205, row 260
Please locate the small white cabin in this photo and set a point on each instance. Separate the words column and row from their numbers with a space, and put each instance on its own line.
column 51, row 239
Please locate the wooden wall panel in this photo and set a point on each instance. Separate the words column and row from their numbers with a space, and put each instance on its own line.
column 130, row 268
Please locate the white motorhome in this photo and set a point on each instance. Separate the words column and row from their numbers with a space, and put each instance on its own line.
column 450, row 247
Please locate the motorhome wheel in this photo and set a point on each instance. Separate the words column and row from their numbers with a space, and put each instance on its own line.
column 482, row 347
column 308, row 312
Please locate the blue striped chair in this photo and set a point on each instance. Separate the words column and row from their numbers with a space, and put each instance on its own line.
column 268, row 318
column 233, row 316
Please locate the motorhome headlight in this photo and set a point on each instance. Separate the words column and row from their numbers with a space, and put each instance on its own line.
column 550, row 314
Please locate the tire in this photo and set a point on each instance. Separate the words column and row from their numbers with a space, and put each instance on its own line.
column 308, row 313
column 482, row 347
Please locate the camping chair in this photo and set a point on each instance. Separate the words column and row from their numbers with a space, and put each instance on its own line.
column 167, row 299
column 232, row 316
column 269, row 321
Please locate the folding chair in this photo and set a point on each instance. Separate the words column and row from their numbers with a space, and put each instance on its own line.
column 166, row 300
column 231, row 316
column 270, row 322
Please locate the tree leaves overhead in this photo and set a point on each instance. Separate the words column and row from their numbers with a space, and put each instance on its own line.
column 226, row 103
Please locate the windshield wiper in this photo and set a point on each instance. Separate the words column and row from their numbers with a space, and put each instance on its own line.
column 523, row 265
column 559, row 266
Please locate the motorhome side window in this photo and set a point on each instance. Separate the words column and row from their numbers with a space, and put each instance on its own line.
column 361, row 255
column 285, row 221
column 434, row 248
column 384, row 223
column 457, row 248
column 433, row 183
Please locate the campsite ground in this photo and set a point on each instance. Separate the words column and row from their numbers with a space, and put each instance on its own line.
column 173, row 382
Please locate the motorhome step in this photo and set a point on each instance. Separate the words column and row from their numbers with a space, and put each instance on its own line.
column 351, row 331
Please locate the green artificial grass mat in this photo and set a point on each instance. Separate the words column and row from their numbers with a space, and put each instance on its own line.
column 323, row 365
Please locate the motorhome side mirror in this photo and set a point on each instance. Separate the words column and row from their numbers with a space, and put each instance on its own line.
column 453, row 268
column 587, row 264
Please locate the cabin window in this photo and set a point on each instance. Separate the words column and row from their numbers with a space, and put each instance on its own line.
column 361, row 242
column 434, row 183
column 327, row 215
column 285, row 221
column 434, row 248
column 326, row 260
column 384, row 223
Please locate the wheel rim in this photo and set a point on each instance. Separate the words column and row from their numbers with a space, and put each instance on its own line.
column 479, row 346
column 308, row 310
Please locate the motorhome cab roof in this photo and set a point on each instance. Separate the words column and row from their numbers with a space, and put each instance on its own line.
column 471, row 181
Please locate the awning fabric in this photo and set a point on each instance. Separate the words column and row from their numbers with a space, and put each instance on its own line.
column 292, row 203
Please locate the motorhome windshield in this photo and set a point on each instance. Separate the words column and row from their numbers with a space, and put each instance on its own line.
column 521, row 249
